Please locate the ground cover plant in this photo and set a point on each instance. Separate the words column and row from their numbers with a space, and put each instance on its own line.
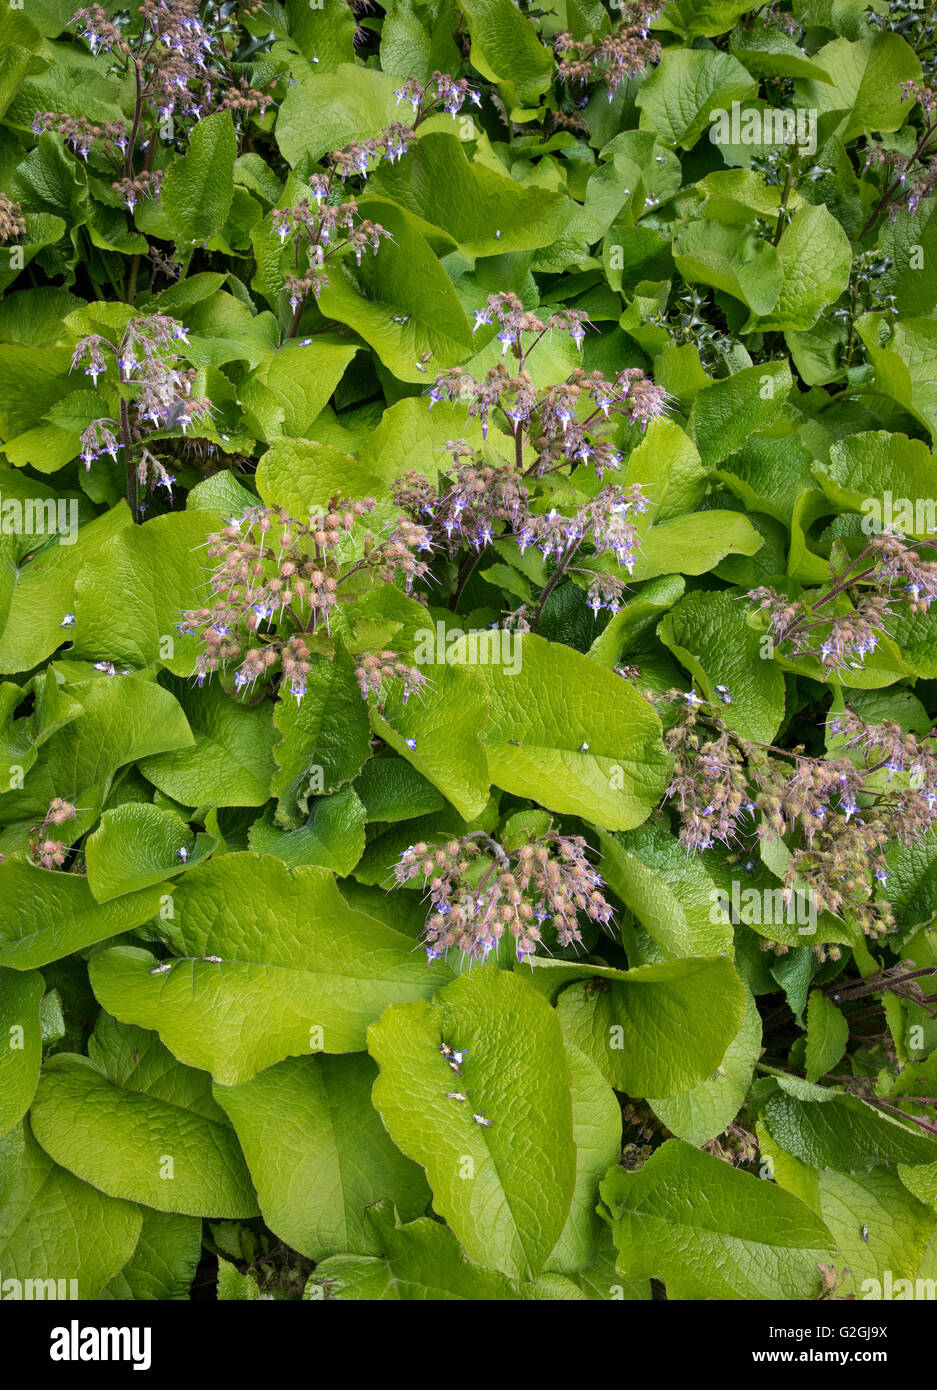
column 468, row 652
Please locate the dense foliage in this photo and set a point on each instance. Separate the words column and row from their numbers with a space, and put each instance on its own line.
column 468, row 652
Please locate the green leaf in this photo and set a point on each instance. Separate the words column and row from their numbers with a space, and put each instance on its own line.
column 863, row 468
column 866, row 87
column 301, row 376
column 710, row 1231
column 46, row 915
column 326, row 737
column 54, row 1226
column 677, row 98
column 333, row 835
column 731, row 258
column 129, row 1143
column 904, row 355
column 300, row 971
column 421, row 1261
column 319, row 1155
column 694, row 543
column 634, row 618
column 390, row 789
column 197, row 191
column 122, row 719
column 20, row 1043
column 770, row 53
column 815, row 257
column 131, row 598
column 590, row 747
column 326, row 112
column 709, row 634
column 653, row 1031
column 726, row 413
column 700, row 1113
column 512, row 1211
column 400, row 301
column 485, row 213
column 164, row 1263
column 137, row 845
column 42, row 591
column 670, row 893
column 231, row 762
column 505, row 49
column 302, row 476
column 695, row 18
column 597, row 1137
column 827, row 1035
column 844, row 1133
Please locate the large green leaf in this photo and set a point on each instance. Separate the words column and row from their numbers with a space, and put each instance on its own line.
column 137, row 845
column 46, row 915
column 123, row 718
column 678, row 97
column 421, row 1261
column 704, row 1111
column 815, row 257
column 299, row 972
column 41, row 591
column 670, row 893
column 400, row 301
column 506, row 50
column 323, row 113
column 319, row 1155
column 164, row 1263
column 130, row 1143
column 485, row 213
column 711, row 1232
column 505, row 1189
column 843, row 1132
column 131, row 597
column 20, row 1043
column 709, row 635
column 656, row 1030
column 325, row 738
column 866, row 87
column 197, row 191
column 54, row 1226
column 572, row 735
column 231, row 762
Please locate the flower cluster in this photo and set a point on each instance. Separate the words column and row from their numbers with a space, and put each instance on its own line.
column 892, row 572
column 626, row 52
column 907, row 178
column 469, row 504
column 442, row 90
column 561, row 422
column 12, row 222
column 318, row 233
column 161, row 394
column 169, row 59
column 374, row 669
column 46, row 851
column 244, row 100
column 276, row 583
column 144, row 185
column 836, row 814
column 83, row 134
column 478, row 891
